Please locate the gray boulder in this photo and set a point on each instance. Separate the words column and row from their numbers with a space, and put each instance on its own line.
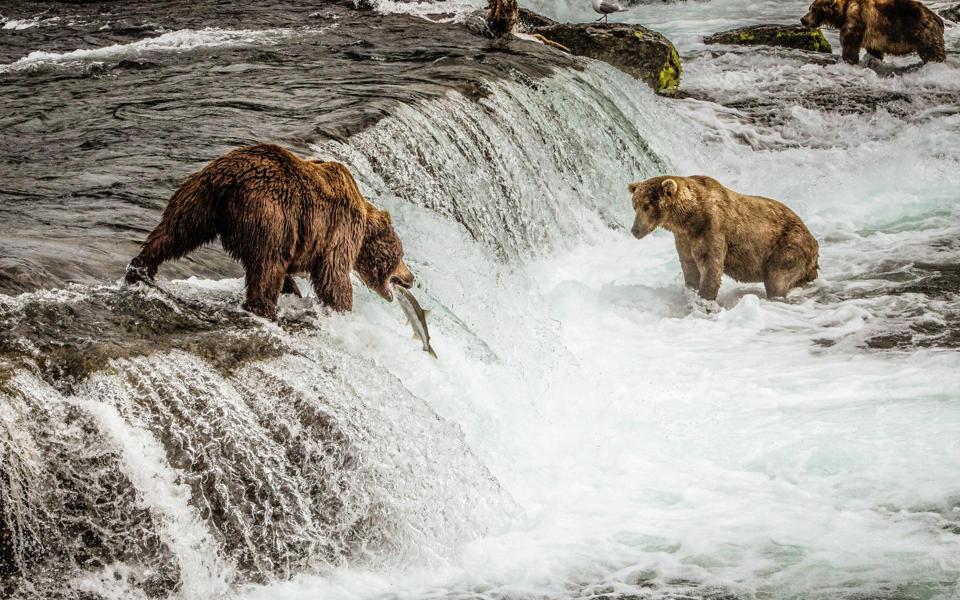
column 635, row 50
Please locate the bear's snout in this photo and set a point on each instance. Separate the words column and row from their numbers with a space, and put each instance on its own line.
column 640, row 229
column 808, row 21
column 402, row 277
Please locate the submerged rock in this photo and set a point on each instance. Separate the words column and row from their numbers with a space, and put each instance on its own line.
column 784, row 36
column 951, row 14
column 635, row 50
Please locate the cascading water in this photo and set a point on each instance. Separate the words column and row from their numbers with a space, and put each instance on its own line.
column 591, row 429
column 172, row 471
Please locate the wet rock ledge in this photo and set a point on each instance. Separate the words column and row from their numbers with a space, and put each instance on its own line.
column 637, row 51
column 796, row 37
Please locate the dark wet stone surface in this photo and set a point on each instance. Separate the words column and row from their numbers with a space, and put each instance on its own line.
column 785, row 36
column 934, row 322
column 640, row 52
column 68, row 340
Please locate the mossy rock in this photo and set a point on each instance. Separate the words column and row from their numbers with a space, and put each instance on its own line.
column 635, row 50
column 784, row 36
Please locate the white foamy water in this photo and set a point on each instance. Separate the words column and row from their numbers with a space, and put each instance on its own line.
column 172, row 41
column 450, row 10
column 660, row 445
column 202, row 571
column 18, row 24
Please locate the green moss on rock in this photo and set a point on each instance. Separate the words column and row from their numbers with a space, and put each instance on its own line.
column 784, row 36
column 640, row 52
column 668, row 81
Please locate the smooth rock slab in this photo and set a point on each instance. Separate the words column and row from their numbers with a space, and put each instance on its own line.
column 635, row 50
column 784, row 36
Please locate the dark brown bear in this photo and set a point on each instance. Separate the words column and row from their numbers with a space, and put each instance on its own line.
column 717, row 231
column 881, row 27
column 280, row 215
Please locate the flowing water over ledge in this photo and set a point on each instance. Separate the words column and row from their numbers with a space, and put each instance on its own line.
column 96, row 137
column 591, row 429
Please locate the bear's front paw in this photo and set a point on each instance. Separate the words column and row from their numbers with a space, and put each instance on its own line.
column 704, row 306
column 261, row 309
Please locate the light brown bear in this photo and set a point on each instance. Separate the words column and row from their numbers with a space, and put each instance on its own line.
column 717, row 231
column 279, row 216
column 897, row 27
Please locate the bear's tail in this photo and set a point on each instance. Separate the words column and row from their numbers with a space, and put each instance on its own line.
column 188, row 222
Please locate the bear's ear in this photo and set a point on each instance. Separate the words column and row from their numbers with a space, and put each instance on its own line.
column 633, row 187
column 670, row 186
column 379, row 220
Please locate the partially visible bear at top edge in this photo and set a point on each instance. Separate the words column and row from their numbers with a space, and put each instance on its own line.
column 896, row 27
column 280, row 215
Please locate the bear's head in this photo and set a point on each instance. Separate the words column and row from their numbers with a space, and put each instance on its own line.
column 380, row 262
column 824, row 12
column 650, row 199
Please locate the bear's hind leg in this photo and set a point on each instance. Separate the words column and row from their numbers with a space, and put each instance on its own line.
column 876, row 54
column 933, row 53
column 156, row 250
column 786, row 269
column 778, row 283
column 165, row 243
column 188, row 222
column 264, row 284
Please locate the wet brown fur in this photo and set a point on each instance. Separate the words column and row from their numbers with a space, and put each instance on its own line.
column 280, row 215
column 502, row 16
column 716, row 230
column 896, row 27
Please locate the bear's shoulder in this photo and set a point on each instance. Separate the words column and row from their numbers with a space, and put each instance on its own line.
column 266, row 152
column 337, row 182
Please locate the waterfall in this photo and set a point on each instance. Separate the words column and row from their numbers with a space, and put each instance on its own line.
column 157, row 441
column 527, row 168
column 169, row 470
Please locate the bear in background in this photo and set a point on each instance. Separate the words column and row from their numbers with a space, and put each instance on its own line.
column 897, row 27
column 279, row 216
column 717, row 231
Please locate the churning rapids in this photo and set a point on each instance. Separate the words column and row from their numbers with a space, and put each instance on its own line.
column 591, row 430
